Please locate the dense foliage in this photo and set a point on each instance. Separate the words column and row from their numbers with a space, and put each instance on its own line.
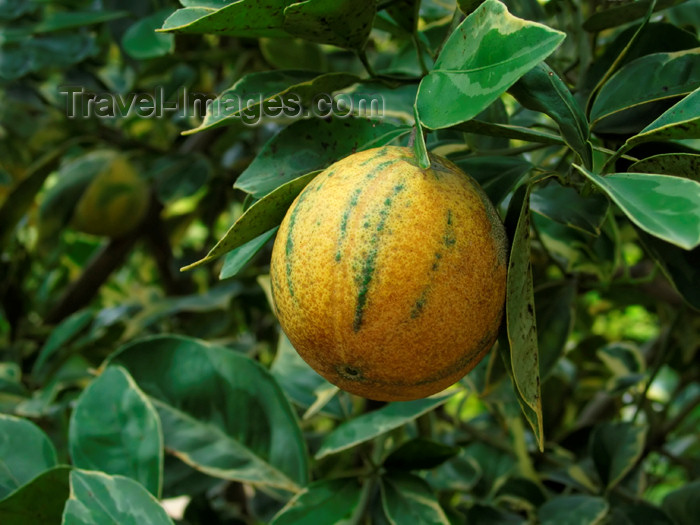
column 125, row 382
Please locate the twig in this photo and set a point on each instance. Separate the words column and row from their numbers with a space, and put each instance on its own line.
column 80, row 293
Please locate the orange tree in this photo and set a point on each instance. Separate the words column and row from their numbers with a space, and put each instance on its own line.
column 133, row 392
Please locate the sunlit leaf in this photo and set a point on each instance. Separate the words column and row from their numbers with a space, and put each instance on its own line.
column 237, row 258
column 25, row 452
column 99, row 498
column 265, row 214
column 271, row 94
column 309, row 145
column 131, row 445
column 245, row 18
column 484, row 56
column 523, row 356
column 373, row 424
column 141, row 40
column 343, row 23
column 667, row 207
column 221, row 412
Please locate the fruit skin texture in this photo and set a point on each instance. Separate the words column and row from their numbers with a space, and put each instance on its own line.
column 114, row 203
column 389, row 280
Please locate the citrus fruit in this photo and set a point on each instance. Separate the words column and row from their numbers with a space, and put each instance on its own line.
column 115, row 201
column 389, row 279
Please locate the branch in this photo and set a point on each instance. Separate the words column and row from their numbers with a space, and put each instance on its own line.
column 79, row 294
column 175, row 283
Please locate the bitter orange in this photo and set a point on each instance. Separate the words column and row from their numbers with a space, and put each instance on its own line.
column 114, row 203
column 389, row 279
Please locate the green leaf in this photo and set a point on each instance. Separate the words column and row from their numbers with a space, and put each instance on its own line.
column 299, row 381
column 237, row 258
column 554, row 308
column 179, row 478
column 497, row 176
column 409, row 499
column 177, row 176
column 115, row 429
column 22, row 195
column 625, row 362
column 25, row 452
column 567, row 206
column 245, row 18
column 405, row 13
column 373, row 424
column 57, row 50
column 271, row 94
column 60, row 336
column 63, row 20
column 683, row 504
column 667, row 207
column 578, row 252
column 680, row 121
column 495, row 465
column 682, row 267
column 523, row 358
column 636, row 513
column 615, row 449
column 222, row 413
column 618, row 15
column 13, row 9
column 519, row 492
column 395, row 102
column 420, row 454
column 10, row 378
column 265, row 214
column 680, row 164
column 509, row 131
column 675, row 74
column 343, row 23
column 480, row 514
column 637, row 40
column 218, row 297
column 39, row 501
column 573, row 510
column 141, row 40
column 482, row 58
column 293, row 53
column 541, row 89
column 309, row 145
column 324, row 501
column 99, row 498
column 460, row 473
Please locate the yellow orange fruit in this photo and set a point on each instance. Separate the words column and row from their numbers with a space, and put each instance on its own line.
column 114, row 203
column 389, row 279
